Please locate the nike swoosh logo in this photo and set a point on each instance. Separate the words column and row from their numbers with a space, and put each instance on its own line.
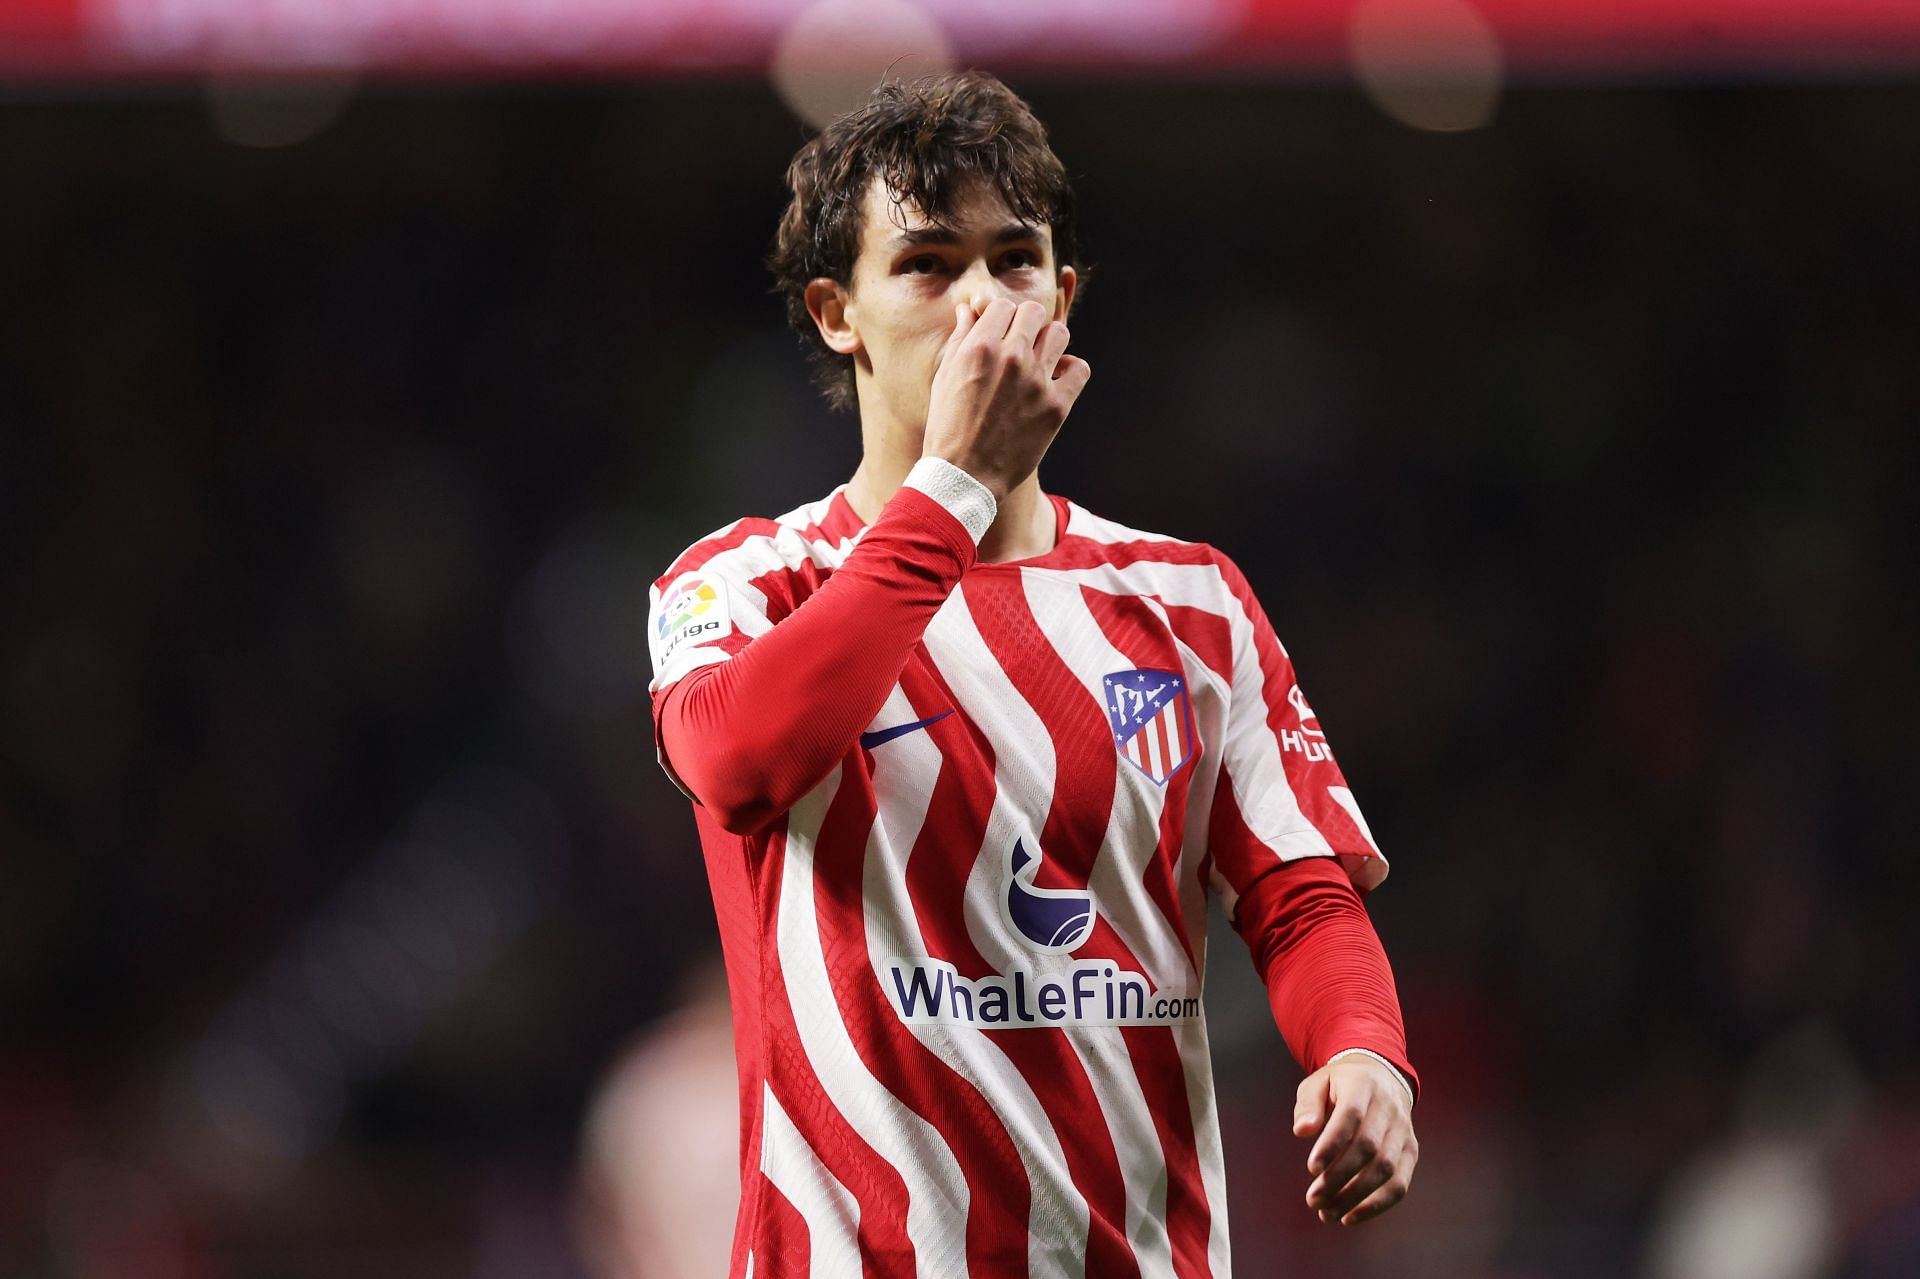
column 875, row 738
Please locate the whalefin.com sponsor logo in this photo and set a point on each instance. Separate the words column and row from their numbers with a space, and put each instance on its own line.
column 1052, row 921
column 1094, row 992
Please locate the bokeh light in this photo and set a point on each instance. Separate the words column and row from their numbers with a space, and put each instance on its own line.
column 835, row 51
column 1431, row 64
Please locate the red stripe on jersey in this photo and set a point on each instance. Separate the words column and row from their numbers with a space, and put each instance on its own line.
column 700, row 552
column 956, row 819
column 996, row 1180
column 783, row 1246
column 816, row 531
column 840, row 522
column 1209, row 635
column 957, row 813
column 1231, row 843
column 873, row 1182
column 787, row 588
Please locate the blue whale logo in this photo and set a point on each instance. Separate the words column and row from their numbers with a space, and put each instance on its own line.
column 1055, row 920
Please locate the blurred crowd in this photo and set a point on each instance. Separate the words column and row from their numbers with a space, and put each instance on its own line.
column 348, row 926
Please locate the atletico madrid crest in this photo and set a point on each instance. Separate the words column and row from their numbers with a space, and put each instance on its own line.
column 1152, row 721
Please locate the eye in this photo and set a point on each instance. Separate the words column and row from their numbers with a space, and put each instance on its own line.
column 1020, row 258
column 925, row 264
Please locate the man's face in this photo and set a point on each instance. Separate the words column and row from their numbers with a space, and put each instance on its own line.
column 907, row 280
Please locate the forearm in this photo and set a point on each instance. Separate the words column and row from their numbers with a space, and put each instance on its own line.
column 1326, row 973
column 749, row 736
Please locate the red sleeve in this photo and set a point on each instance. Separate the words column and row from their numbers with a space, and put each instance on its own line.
column 1327, row 976
column 747, row 737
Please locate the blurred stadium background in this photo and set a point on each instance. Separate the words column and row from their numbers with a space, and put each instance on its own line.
column 1553, row 369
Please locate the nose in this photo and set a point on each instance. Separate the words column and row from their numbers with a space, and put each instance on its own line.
column 979, row 287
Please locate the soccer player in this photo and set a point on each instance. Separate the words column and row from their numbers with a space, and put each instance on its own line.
column 968, row 762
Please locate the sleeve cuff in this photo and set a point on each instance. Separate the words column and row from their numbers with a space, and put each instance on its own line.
column 1367, row 1052
column 966, row 499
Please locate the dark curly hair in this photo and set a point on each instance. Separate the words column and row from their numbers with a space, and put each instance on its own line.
column 927, row 139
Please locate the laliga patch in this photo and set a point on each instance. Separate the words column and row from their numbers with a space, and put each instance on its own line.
column 692, row 611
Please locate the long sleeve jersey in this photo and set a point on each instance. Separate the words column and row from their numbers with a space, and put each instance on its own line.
column 962, row 822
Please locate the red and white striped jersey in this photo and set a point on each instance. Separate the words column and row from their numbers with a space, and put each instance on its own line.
column 966, row 967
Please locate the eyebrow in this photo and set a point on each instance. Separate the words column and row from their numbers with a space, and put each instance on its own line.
column 942, row 235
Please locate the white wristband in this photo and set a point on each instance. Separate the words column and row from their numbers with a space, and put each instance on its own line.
column 969, row 501
column 1367, row 1052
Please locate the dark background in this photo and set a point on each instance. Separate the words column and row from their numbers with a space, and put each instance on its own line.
column 1573, row 458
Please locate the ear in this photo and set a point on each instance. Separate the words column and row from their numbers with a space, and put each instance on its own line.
column 1063, row 294
column 831, row 308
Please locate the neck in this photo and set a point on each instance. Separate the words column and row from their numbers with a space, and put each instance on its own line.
column 1024, row 527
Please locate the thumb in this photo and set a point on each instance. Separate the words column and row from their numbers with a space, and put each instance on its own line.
column 1311, row 1104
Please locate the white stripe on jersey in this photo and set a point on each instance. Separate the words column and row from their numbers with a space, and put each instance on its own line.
column 1196, row 1062
column 915, row 760
column 1022, row 797
column 1084, row 523
column 936, row 1189
column 813, row 514
column 830, row 1211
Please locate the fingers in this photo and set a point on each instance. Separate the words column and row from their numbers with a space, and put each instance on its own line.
column 1003, row 321
column 1070, row 377
column 1346, row 1180
column 1352, row 1141
column 1364, row 1157
column 1377, row 1187
column 992, row 324
column 1051, row 345
column 1341, row 1128
column 1026, row 323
